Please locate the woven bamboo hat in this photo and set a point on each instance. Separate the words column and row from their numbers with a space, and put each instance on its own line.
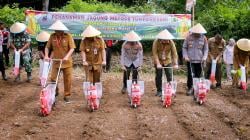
column 131, row 36
column 58, row 26
column 43, row 36
column 165, row 34
column 244, row 44
column 17, row 28
column 90, row 31
column 198, row 28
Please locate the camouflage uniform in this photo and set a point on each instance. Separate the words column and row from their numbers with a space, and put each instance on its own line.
column 19, row 40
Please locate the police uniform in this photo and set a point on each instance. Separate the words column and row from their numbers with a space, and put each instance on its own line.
column 215, row 50
column 196, row 49
column 131, row 58
column 60, row 47
column 93, row 48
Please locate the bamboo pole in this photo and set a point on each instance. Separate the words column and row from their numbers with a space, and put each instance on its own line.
column 193, row 14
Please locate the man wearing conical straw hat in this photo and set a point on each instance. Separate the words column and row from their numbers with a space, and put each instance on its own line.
column 20, row 41
column 131, row 57
column 216, row 46
column 62, row 45
column 93, row 53
column 195, row 52
column 164, row 55
column 241, row 58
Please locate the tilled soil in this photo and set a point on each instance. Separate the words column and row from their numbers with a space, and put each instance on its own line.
column 225, row 114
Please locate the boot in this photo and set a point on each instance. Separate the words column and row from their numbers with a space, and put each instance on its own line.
column 29, row 76
column 18, row 78
column 4, row 76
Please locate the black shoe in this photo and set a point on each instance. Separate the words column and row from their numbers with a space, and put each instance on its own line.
column 66, row 99
column 218, row 86
column 124, row 90
column 158, row 93
column 4, row 77
column 57, row 94
column 189, row 92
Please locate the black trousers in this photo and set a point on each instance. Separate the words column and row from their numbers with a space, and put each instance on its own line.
column 126, row 75
column 218, row 73
column 6, row 54
column 108, row 58
column 196, row 69
column 2, row 68
column 158, row 76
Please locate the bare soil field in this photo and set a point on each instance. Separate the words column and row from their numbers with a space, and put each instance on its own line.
column 225, row 115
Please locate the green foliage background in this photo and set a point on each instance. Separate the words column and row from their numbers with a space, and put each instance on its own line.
column 230, row 18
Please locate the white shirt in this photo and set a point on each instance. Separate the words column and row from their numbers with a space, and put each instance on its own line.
column 228, row 54
column 1, row 41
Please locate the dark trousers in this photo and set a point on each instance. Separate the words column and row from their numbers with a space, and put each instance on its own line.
column 218, row 73
column 126, row 75
column 6, row 54
column 196, row 69
column 158, row 76
column 108, row 58
column 2, row 68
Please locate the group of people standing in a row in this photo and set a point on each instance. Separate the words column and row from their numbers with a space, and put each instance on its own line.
column 197, row 50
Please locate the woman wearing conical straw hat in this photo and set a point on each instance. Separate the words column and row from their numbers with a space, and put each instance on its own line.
column 164, row 55
column 62, row 45
column 20, row 41
column 241, row 58
column 195, row 52
column 93, row 53
column 131, row 57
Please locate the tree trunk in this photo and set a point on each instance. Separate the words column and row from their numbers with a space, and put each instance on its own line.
column 45, row 5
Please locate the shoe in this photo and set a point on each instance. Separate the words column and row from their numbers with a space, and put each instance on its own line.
column 212, row 87
column 189, row 92
column 218, row 86
column 57, row 94
column 158, row 93
column 124, row 90
column 18, row 78
column 4, row 77
column 29, row 78
column 66, row 99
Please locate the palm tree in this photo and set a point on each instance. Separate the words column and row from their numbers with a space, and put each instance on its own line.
column 45, row 5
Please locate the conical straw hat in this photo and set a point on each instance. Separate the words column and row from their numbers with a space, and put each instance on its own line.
column 43, row 36
column 17, row 28
column 131, row 36
column 244, row 44
column 90, row 31
column 198, row 28
column 58, row 26
column 165, row 34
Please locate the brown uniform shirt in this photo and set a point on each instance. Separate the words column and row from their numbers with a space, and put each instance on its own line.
column 93, row 50
column 240, row 57
column 166, row 54
column 215, row 49
column 60, row 47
